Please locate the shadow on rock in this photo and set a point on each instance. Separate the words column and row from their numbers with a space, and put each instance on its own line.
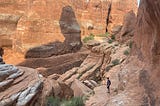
column 70, row 30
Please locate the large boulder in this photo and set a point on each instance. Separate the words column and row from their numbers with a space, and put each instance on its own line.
column 118, row 10
column 128, row 28
column 80, row 89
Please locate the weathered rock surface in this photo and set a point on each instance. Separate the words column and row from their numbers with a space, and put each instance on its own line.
column 18, row 86
column 21, row 86
column 35, row 22
column 140, row 76
column 70, row 29
column 147, row 45
column 55, row 64
column 118, row 10
column 100, row 97
column 128, row 28
column 80, row 89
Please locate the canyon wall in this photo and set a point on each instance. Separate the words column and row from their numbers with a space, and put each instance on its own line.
column 31, row 23
column 147, row 47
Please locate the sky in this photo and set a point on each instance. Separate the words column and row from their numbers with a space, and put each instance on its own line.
column 138, row 2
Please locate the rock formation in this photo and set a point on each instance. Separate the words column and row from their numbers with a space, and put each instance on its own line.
column 125, row 32
column 21, row 86
column 139, row 77
column 55, row 64
column 147, row 48
column 71, row 32
column 34, row 23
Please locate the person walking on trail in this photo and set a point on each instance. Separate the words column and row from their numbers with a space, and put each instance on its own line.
column 108, row 84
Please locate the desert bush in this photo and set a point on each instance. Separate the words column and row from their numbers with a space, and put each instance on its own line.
column 130, row 44
column 108, row 68
column 104, row 35
column 126, row 52
column 113, row 37
column 87, row 38
column 53, row 101
column 110, row 41
column 75, row 101
column 115, row 62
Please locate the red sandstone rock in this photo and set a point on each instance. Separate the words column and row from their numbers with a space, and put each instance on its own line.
column 34, row 23
column 147, row 47
column 80, row 89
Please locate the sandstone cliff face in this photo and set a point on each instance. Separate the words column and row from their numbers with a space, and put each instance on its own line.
column 118, row 11
column 37, row 22
column 141, row 73
column 147, row 39
column 11, row 11
column 147, row 30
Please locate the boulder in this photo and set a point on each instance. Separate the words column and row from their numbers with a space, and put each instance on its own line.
column 54, row 88
column 128, row 28
column 80, row 89
column 116, row 29
column 90, row 83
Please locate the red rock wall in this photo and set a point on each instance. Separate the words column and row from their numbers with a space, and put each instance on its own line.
column 147, row 35
column 39, row 22
column 119, row 9
column 147, row 47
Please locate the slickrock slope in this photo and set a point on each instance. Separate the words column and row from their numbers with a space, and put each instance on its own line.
column 21, row 86
column 18, row 86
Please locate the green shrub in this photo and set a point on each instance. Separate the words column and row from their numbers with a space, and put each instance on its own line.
column 130, row 44
column 104, row 35
column 51, row 101
column 76, row 101
column 91, row 34
column 115, row 62
column 110, row 41
column 113, row 37
column 108, row 68
column 87, row 38
column 126, row 52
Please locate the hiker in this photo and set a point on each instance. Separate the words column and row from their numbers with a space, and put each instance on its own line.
column 108, row 84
